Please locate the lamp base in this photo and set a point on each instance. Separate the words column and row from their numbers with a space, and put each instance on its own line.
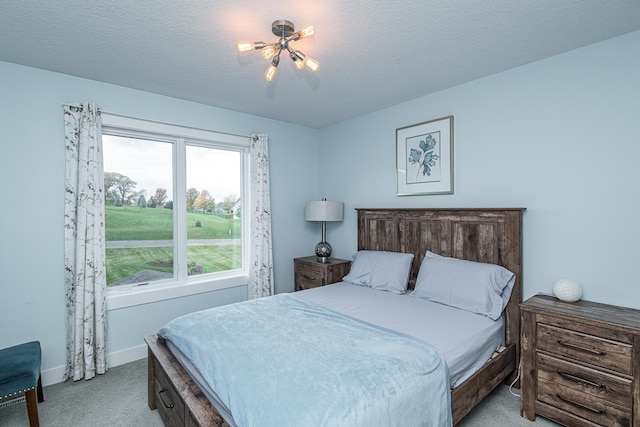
column 323, row 251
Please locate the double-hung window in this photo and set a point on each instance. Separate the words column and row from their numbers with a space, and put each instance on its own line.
column 175, row 204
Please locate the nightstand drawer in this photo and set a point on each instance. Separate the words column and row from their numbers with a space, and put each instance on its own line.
column 591, row 349
column 579, row 404
column 593, row 384
column 309, row 277
column 311, row 273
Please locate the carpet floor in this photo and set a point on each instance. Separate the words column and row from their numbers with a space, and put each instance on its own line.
column 119, row 398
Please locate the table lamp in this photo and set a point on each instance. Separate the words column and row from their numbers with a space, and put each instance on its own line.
column 324, row 211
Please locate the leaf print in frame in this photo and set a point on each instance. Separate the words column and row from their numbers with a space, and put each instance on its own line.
column 423, row 162
column 424, row 158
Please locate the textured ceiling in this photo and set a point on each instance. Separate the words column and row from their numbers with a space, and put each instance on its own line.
column 372, row 53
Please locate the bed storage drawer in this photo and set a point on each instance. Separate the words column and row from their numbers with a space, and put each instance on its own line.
column 173, row 393
column 169, row 403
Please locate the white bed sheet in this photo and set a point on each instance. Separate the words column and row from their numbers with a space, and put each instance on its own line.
column 467, row 340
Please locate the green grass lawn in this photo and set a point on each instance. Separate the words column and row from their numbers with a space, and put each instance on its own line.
column 133, row 223
column 123, row 262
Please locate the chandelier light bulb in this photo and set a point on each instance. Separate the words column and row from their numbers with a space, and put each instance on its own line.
column 297, row 58
column 244, row 46
column 307, row 31
column 268, row 52
column 270, row 73
column 299, row 64
column 248, row 46
column 311, row 64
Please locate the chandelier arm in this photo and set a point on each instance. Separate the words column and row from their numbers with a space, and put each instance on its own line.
column 262, row 45
column 292, row 54
column 295, row 54
column 276, row 59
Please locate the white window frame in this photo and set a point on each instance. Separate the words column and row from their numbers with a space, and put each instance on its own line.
column 182, row 284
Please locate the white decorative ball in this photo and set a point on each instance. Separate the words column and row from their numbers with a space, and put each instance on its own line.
column 567, row 290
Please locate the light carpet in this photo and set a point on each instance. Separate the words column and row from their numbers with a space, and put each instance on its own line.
column 119, row 398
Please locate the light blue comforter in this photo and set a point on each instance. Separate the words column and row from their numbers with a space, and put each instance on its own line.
column 280, row 361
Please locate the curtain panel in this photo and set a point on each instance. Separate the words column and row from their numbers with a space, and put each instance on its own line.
column 261, row 253
column 84, row 241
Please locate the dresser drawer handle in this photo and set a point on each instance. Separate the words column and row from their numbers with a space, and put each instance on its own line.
column 577, row 347
column 168, row 406
column 579, row 379
column 309, row 277
column 580, row 405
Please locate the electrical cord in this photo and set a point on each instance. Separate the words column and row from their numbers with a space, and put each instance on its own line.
column 514, row 381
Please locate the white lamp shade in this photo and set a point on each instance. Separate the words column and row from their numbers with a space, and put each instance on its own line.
column 323, row 210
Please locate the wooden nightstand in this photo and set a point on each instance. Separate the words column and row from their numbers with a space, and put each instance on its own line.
column 310, row 273
column 580, row 362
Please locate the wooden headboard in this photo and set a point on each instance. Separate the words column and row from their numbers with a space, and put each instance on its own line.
column 484, row 235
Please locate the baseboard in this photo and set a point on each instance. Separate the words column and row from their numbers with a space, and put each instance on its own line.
column 56, row 375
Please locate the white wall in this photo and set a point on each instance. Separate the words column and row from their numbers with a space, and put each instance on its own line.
column 559, row 137
column 32, row 300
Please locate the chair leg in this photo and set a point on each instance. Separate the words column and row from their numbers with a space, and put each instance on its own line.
column 40, row 393
column 32, row 408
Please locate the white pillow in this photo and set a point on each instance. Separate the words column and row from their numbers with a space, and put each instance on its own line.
column 388, row 271
column 472, row 286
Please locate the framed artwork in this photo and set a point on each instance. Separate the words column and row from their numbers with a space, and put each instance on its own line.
column 424, row 158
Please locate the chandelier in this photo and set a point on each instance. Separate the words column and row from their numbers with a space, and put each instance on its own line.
column 271, row 51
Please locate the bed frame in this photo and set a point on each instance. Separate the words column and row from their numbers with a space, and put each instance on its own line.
column 483, row 235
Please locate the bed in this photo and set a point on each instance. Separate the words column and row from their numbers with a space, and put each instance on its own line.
column 482, row 235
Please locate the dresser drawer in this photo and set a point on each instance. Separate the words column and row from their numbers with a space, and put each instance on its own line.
column 580, row 362
column 591, row 349
column 578, row 403
column 593, row 384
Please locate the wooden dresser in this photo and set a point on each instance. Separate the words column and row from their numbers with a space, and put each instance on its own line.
column 580, row 362
column 311, row 273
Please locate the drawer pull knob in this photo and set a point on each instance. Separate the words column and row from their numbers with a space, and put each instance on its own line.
column 577, row 347
column 164, row 402
column 308, row 277
column 580, row 405
column 580, row 379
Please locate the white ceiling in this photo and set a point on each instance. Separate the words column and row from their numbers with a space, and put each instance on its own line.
column 373, row 53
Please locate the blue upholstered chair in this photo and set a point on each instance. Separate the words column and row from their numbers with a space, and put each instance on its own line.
column 20, row 374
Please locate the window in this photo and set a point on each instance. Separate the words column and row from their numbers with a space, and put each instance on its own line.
column 174, row 199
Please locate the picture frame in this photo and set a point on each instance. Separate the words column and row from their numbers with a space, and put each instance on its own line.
column 424, row 158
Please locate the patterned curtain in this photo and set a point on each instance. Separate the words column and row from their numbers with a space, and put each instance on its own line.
column 261, row 254
column 84, row 242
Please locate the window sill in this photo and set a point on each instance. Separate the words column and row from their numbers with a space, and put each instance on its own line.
column 138, row 295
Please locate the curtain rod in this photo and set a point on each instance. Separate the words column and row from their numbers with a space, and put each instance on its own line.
column 79, row 106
